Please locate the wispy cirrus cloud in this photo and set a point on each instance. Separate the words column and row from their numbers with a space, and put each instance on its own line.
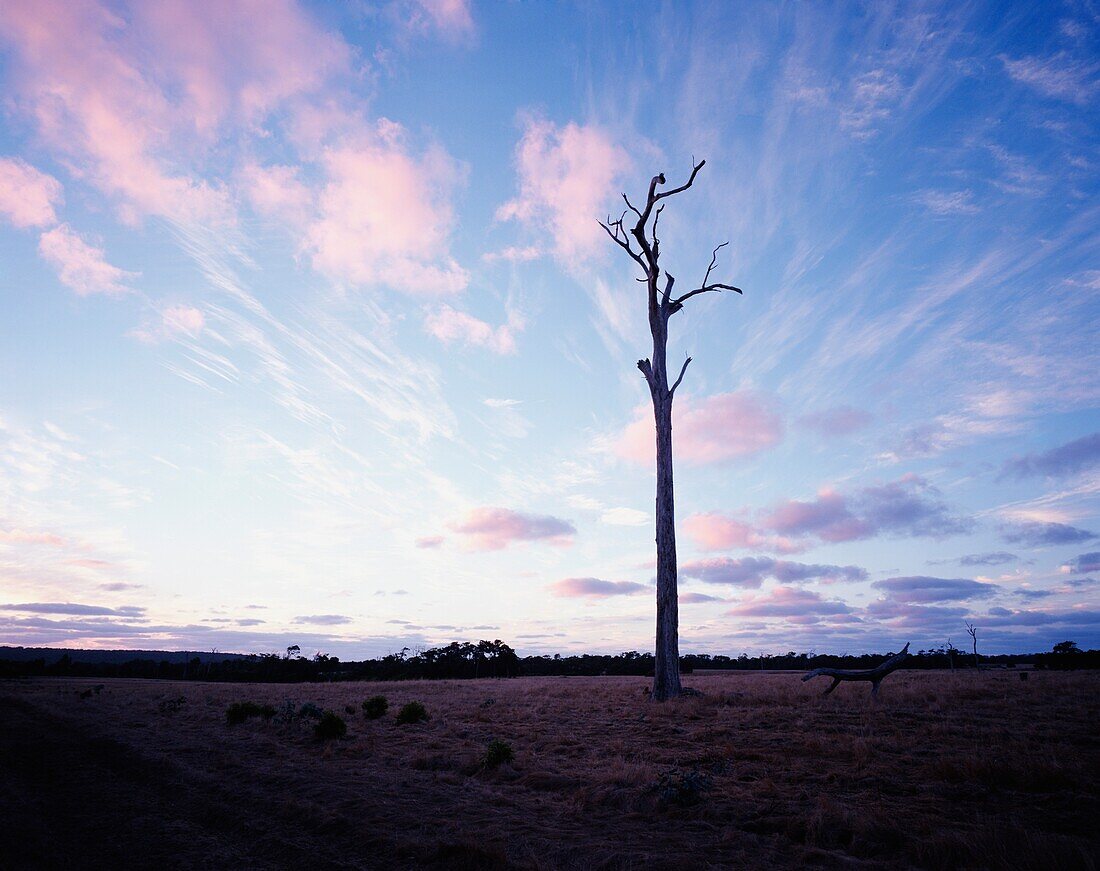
column 838, row 421
column 497, row 528
column 450, row 19
column 947, row 202
column 1059, row 76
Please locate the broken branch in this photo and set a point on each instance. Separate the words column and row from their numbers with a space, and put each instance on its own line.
column 874, row 675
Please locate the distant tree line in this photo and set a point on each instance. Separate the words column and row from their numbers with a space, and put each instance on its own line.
column 462, row 660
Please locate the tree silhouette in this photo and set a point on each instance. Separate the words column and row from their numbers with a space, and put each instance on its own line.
column 662, row 306
column 972, row 631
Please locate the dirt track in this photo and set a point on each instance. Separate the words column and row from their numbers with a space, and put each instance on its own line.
column 947, row 772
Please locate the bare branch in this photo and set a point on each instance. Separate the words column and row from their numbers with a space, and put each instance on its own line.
column 678, row 303
column 713, row 261
column 681, row 378
column 647, row 370
column 630, row 206
column 691, row 180
column 622, row 241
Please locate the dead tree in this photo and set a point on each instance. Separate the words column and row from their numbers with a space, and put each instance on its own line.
column 972, row 631
column 663, row 304
column 874, row 675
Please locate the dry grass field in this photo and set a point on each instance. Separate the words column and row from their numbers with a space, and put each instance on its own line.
column 972, row 770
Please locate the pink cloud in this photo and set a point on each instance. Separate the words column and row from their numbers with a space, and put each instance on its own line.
column 430, row 542
column 567, row 178
column 715, row 429
column 80, row 266
column 133, row 96
column 496, row 528
column 714, row 531
column 22, row 536
column 908, row 507
column 89, row 563
column 27, row 196
column 385, row 216
column 595, row 588
column 827, row 517
column 449, row 325
column 278, row 192
column 183, row 319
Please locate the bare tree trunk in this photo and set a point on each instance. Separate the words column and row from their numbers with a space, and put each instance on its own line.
column 666, row 675
column 662, row 305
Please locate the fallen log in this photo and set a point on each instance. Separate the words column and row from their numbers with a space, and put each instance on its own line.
column 874, row 675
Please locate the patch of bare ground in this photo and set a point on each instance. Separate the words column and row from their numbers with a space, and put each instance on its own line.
column 972, row 770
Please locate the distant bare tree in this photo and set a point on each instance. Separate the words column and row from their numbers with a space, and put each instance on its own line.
column 972, row 631
column 662, row 305
column 951, row 651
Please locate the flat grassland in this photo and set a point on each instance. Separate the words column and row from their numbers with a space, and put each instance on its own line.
column 966, row 770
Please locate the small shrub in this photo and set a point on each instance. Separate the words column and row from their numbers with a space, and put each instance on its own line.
column 413, row 712
column 683, row 788
column 170, row 706
column 238, row 712
column 375, row 707
column 349, row 709
column 286, row 713
column 310, row 710
column 331, row 725
column 497, row 753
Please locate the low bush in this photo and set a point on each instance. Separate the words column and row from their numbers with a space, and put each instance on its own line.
column 331, row 725
column 375, row 707
column 310, row 710
column 238, row 712
column 413, row 712
column 683, row 788
column 497, row 753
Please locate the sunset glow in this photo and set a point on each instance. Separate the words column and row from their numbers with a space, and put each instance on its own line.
column 309, row 334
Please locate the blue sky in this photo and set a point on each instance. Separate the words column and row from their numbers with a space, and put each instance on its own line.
column 309, row 334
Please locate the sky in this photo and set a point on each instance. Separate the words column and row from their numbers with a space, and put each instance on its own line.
column 309, row 334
